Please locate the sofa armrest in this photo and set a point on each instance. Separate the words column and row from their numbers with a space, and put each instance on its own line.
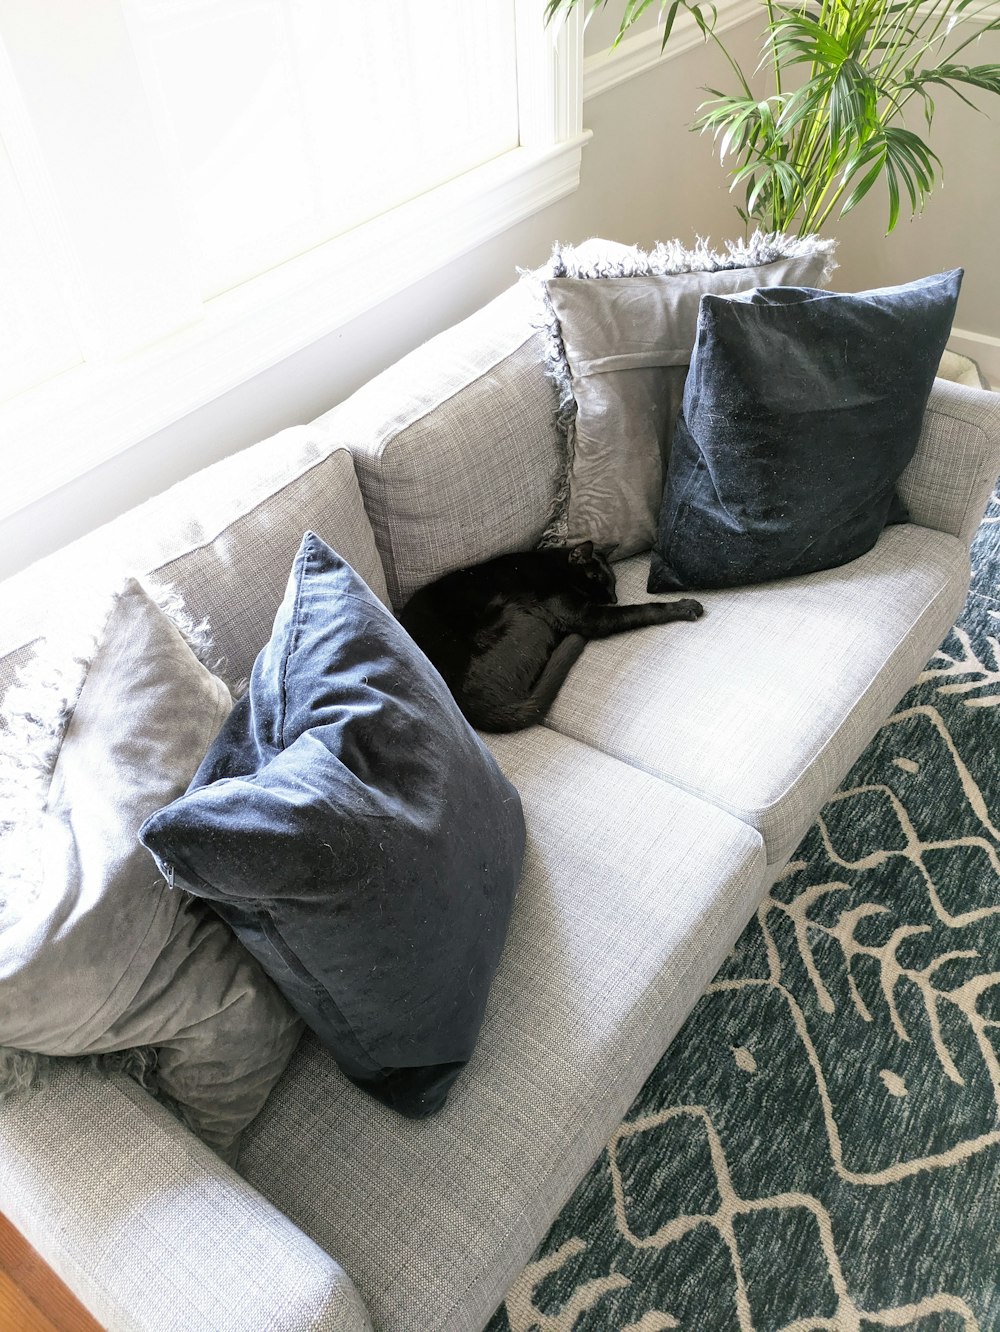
column 148, row 1227
column 949, row 480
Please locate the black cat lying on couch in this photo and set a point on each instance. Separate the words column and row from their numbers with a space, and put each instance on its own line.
column 505, row 633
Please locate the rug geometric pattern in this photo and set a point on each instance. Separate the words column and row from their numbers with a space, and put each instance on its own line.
column 819, row 1149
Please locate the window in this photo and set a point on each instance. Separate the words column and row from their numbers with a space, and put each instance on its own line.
column 285, row 124
column 194, row 189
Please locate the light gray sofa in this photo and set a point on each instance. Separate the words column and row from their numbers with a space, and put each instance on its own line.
column 676, row 774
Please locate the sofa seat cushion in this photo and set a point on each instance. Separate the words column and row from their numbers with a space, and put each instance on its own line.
column 762, row 706
column 632, row 894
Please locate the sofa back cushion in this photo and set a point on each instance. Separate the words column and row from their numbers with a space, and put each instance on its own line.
column 456, row 447
column 224, row 539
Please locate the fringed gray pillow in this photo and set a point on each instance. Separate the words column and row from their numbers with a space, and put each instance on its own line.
column 97, row 955
column 620, row 326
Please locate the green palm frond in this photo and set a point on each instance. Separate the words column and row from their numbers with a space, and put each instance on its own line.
column 984, row 77
column 843, row 75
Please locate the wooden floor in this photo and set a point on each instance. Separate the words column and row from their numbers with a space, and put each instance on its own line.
column 32, row 1298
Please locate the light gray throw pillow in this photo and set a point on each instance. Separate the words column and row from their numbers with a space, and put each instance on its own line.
column 620, row 325
column 96, row 953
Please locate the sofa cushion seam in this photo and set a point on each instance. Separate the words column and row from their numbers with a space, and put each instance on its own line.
column 761, row 811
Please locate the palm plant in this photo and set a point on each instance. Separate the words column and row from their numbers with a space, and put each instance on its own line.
column 843, row 75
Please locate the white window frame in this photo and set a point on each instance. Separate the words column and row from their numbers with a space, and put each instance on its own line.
column 113, row 399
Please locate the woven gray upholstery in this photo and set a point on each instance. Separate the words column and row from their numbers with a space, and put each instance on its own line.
column 633, row 891
column 631, row 896
column 456, row 447
column 149, row 1228
column 762, row 706
column 225, row 538
column 948, row 483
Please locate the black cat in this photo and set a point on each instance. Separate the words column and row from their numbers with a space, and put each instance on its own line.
column 505, row 634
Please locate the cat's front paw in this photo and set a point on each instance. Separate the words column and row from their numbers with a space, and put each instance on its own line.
column 689, row 609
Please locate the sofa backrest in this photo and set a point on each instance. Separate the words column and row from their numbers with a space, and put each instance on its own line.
column 458, row 458
column 224, row 539
column 456, row 446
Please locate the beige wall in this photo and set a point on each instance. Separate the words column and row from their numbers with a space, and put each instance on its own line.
column 958, row 227
column 648, row 177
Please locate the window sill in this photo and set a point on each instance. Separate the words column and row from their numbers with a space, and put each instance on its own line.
column 94, row 412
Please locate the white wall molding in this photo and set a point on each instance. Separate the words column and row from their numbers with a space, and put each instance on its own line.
column 641, row 52
column 981, row 13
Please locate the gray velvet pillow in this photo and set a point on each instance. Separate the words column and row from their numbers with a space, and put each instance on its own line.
column 801, row 411
column 358, row 836
column 96, row 954
column 620, row 326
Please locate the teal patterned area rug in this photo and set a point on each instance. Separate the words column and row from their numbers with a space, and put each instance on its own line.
column 820, row 1147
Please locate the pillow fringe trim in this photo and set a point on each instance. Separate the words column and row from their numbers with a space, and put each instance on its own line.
column 25, row 1072
column 668, row 258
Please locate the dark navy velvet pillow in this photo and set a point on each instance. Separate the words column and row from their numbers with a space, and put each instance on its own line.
column 801, row 409
column 358, row 837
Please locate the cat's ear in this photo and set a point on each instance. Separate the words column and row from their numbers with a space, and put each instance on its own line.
column 582, row 554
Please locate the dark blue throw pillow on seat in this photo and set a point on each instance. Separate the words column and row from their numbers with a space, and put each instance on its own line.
column 357, row 836
column 801, row 410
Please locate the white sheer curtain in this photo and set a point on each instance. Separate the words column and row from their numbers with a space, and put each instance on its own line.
column 174, row 149
column 192, row 190
column 286, row 122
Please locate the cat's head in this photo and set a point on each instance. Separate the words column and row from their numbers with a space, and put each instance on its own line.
column 592, row 565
